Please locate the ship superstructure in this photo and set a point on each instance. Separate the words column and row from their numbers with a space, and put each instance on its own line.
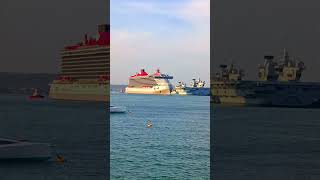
column 282, row 69
column 181, row 89
column 197, row 87
column 85, row 69
column 143, row 83
column 278, row 85
column 197, row 83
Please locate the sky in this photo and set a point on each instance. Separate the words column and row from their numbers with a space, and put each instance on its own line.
column 33, row 32
column 244, row 31
column 173, row 35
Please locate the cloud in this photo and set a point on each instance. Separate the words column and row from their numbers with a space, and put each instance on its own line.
column 196, row 12
column 196, row 9
column 185, row 54
column 192, row 11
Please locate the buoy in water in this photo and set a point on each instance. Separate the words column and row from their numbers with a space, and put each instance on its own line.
column 149, row 124
column 60, row 159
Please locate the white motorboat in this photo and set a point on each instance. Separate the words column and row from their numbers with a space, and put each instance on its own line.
column 117, row 109
column 23, row 150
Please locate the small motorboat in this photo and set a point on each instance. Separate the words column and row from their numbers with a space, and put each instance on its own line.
column 36, row 95
column 117, row 109
column 24, row 150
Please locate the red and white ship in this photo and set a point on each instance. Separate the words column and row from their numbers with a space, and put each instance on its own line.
column 143, row 83
column 85, row 69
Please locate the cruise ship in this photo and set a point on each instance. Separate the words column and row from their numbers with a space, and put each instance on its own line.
column 143, row 83
column 85, row 69
column 279, row 85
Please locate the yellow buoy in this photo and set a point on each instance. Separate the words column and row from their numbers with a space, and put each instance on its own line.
column 60, row 159
column 149, row 124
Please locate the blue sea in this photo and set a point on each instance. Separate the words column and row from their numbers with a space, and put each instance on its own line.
column 176, row 147
column 266, row 143
column 76, row 130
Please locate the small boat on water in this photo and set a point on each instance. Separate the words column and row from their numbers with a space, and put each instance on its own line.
column 117, row 109
column 36, row 95
column 23, row 150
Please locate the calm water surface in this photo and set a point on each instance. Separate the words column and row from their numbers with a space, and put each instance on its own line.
column 266, row 143
column 77, row 130
column 176, row 147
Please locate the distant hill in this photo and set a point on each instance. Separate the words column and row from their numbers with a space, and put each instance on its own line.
column 22, row 83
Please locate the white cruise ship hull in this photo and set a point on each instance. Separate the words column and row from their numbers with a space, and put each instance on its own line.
column 161, row 90
column 79, row 92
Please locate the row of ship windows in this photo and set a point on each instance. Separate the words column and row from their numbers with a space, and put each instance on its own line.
column 75, row 86
column 84, row 71
column 85, row 54
column 85, row 58
column 91, row 57
column 83, row 62
column 98, row 50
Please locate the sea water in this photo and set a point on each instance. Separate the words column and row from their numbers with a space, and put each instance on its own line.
column 76, row 130
column 265, row 143
column 176, row 147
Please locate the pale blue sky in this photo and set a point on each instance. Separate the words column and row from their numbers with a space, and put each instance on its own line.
column 173, row 35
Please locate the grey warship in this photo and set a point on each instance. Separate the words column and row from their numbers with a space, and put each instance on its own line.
column 279, row 85
column 197, row 87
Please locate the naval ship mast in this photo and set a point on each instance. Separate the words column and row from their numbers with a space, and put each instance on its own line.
column 282, row 69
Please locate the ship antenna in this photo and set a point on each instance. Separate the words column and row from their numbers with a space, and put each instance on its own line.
column 285, row 53
column 285, row 56
column 231, row 66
